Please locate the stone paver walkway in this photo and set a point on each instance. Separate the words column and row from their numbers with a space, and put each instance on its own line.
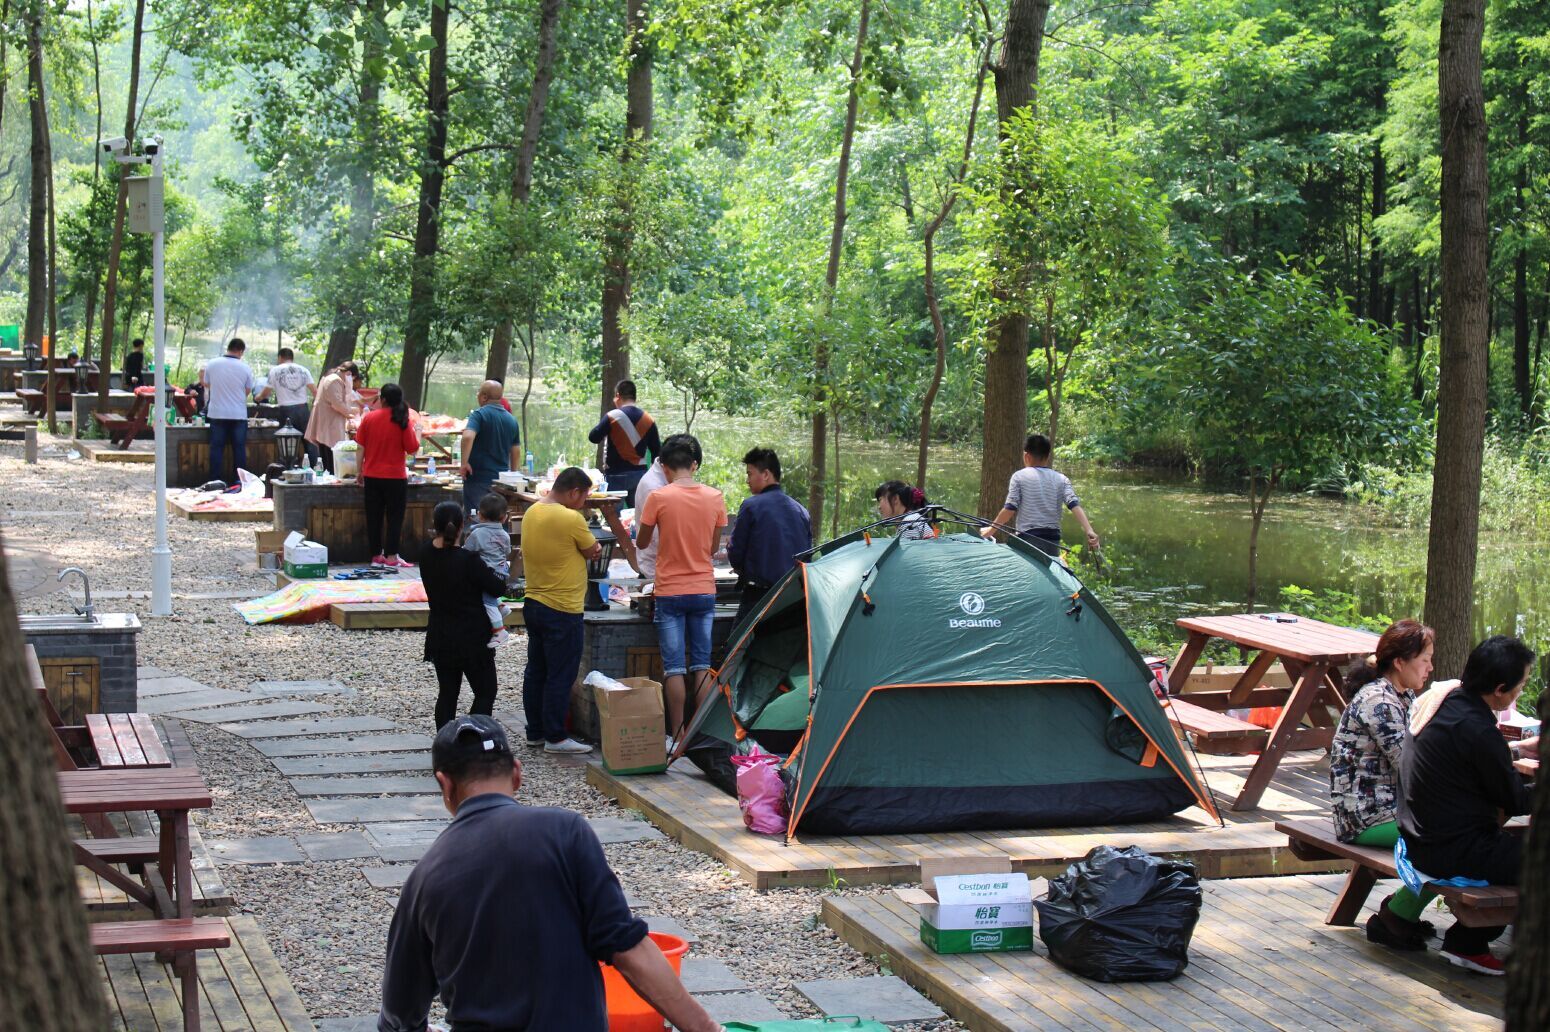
column 399, row 812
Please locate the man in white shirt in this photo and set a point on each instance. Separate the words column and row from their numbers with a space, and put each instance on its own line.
column 291, row 385
column 228, row 381
column 655, row 477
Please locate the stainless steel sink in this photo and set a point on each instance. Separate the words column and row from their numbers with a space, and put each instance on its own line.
column 58, row 622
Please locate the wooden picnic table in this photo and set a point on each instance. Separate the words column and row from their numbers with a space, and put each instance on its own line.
column 171, row 792
column 1312, row 653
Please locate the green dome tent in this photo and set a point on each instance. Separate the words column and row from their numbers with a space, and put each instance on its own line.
column 944, row 684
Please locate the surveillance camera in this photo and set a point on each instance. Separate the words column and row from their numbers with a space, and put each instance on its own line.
column 152, row 145
column 114, row 144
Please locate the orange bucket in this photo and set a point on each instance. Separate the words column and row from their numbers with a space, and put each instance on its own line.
column 627, row 1012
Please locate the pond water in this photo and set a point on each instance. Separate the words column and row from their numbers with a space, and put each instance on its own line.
column 1172, row 546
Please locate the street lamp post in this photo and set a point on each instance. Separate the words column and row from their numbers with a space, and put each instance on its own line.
column 147, row 215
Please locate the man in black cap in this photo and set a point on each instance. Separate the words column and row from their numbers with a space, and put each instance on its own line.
column 511, row 909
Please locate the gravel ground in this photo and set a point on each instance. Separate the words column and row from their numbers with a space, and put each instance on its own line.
column 326, row 925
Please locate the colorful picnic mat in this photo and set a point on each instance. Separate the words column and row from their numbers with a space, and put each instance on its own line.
column 308, row 601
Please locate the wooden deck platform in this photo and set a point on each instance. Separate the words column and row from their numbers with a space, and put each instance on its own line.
column 376, row 616
column 692, row 811
column 241, row 989
column 261, row 514
column 107, row 451
column 1261, row 958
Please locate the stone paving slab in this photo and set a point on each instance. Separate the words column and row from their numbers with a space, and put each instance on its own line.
column 749, row 1007
column 340, row 746
column 313, row 726
column 151, row 673
column 341, row 845
column 391, row 877
column 885, row 998
column 668, row 926
column 357, row 764
column 170, row 684
column 251, row 711
column 708, row 975
column 307, row 688
column 403, row 840
column 192, row 700
column 359, row 1023
column 372, row 810
column 611, row 830
column 402, row 784
column 273, row 849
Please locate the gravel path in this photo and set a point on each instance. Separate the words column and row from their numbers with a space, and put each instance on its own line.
column 326, row 925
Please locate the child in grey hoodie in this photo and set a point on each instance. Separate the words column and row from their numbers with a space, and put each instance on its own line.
column 488, row 539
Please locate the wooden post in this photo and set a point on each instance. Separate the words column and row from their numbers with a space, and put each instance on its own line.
column 30, row 445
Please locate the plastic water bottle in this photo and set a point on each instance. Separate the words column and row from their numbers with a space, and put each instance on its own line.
column 530, row 462
column 430, row 468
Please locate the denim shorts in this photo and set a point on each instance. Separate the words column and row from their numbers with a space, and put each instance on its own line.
column 684, row 623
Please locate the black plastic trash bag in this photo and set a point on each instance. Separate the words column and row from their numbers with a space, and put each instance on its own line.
column 1121, row 915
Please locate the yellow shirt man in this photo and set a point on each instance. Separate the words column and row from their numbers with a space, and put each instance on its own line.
column 554, row 538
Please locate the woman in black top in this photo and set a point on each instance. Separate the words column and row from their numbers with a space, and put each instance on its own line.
column 457, row 640
column 1458, row 786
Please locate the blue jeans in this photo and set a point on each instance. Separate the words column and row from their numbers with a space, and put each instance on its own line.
column 553, row 658
column 626, row 482
column 683, row 625
column 475, row 488
column 222, row 431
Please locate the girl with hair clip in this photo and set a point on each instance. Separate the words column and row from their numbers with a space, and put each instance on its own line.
column 896, row 498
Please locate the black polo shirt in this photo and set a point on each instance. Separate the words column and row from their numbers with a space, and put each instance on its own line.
column 507, row 916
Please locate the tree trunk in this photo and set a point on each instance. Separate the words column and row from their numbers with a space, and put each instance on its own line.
column 1520, row 316
column 1006, row 354
column 110, row 286
column 349, row 312
column 1422, row 328
column 1257, row 503
column 427, row 233
column 938, row 328
column 522, row 175
column 638, row 113
column 1462, row 380
column 831, row 279
column 51, row 978
column 96, row 172
column 1528, row 991
column 1376, row 309
column 53, row 262
column 37, row 200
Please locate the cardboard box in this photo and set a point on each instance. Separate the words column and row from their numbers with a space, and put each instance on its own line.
column 631, row 726
column 303, row 558
column 986, row 909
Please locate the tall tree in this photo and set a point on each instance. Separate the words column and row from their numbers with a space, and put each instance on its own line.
column 639, row 106
column 427, row 233
column 50, row 403
column 831, row 278
column 120, row 209
column 37, row 200
column 46, row 965
column 1528, row 991
column 349, row 314
column 928, row 244
column 1006, row 347
column 522, row 172
column 1463, row 376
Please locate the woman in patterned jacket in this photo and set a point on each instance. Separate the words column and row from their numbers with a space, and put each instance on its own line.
column 1364, row 764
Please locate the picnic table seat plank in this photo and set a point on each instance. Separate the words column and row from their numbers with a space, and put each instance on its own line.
column 172, row 933
column 1475, row 906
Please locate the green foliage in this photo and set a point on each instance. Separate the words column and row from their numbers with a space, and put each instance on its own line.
column 1332, row 606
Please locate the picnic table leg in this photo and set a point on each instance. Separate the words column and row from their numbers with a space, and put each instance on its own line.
column 1188, row 656
column 1251, row 678
column 182, row 868
column 1307, row 688
column 1353, row 894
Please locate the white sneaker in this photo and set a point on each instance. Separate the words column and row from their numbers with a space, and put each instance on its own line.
column 570, row 746
column 499, row 638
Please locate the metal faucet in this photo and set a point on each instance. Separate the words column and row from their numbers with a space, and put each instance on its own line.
column 86, row 610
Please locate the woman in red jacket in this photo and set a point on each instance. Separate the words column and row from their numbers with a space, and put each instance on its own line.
column 385, row 437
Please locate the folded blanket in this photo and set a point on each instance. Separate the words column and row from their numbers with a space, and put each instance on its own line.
column 308, row 601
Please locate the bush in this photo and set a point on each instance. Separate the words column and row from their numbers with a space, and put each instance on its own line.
column 1514, row 490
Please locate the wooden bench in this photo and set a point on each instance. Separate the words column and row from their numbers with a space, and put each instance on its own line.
column 125, row 740
column 1217, row 733
column 123, row 428
column 178, row 936
column 1487, row 906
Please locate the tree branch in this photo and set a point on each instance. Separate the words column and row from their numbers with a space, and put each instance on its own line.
column 451, row 159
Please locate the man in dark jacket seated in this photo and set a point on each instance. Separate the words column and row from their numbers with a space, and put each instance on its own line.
column 1458, row 787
